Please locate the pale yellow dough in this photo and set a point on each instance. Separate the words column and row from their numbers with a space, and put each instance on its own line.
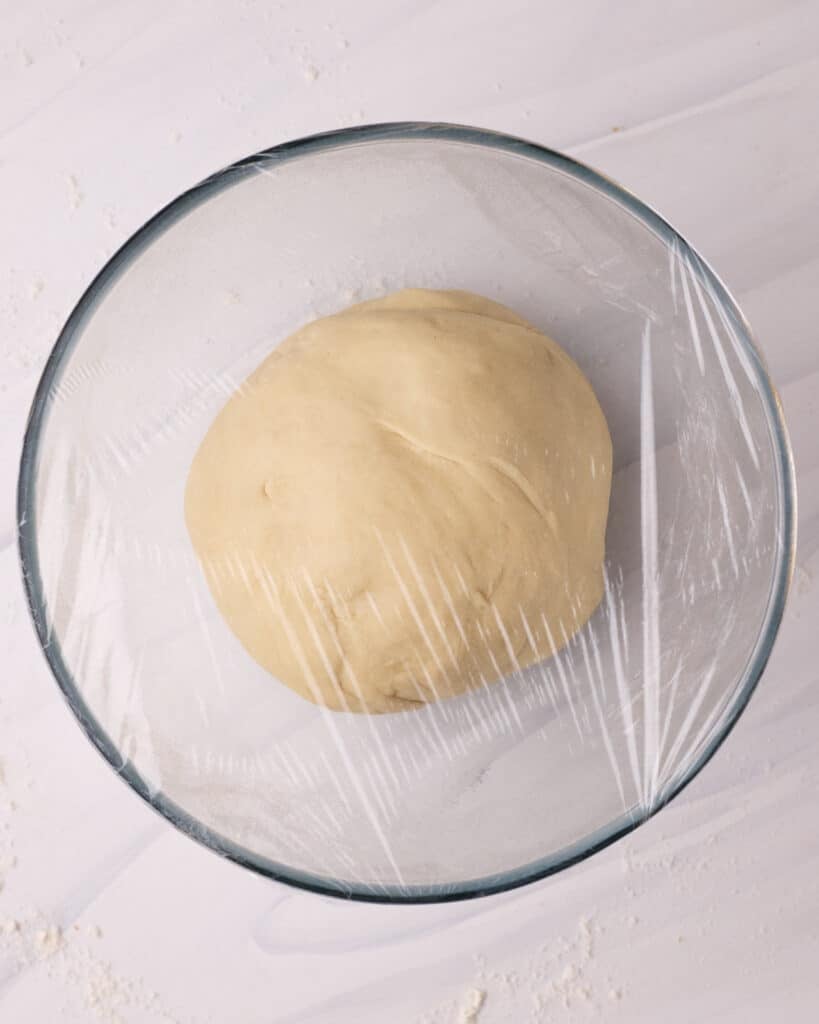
column 405, row 501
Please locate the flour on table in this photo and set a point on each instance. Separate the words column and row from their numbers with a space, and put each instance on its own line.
column 472, row 1006
column 75, row 193
column 63, row 955
column 49, row 940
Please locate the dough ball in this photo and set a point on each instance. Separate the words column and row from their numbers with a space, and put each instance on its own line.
column 405, row 501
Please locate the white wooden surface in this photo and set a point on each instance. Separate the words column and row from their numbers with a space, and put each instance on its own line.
column 706, row 110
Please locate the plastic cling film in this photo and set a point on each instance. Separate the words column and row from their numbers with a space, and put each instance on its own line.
column 514, row 778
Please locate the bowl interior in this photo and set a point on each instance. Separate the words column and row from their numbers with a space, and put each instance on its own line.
column 491, row 788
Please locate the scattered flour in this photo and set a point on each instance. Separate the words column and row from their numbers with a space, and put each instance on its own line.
column 88, row 982
column 75, row 194
column 59, row 954
column 471, row 1008
column 560, row 981
column 49, row 940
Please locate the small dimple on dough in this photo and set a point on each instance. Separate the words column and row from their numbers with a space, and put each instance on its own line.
column 424, row 463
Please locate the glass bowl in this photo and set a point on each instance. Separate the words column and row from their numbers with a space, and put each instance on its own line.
column 494, row 788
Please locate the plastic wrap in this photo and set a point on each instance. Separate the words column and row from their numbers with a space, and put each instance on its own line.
column 500, row 785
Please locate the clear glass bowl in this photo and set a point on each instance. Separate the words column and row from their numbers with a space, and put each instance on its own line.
column 492, row 789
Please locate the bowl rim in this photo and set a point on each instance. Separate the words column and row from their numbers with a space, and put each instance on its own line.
column 27, row 525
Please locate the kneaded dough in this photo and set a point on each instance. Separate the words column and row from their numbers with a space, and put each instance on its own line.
column 406, row 500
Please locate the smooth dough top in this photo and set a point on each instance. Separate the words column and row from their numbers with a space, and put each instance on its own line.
column 406, row 500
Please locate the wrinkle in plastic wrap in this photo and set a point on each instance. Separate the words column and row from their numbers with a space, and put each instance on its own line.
column 507, row 781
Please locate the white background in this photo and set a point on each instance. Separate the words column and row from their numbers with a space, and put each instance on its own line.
column 709, row 111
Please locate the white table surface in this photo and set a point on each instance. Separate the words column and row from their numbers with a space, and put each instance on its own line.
column 709, row 111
